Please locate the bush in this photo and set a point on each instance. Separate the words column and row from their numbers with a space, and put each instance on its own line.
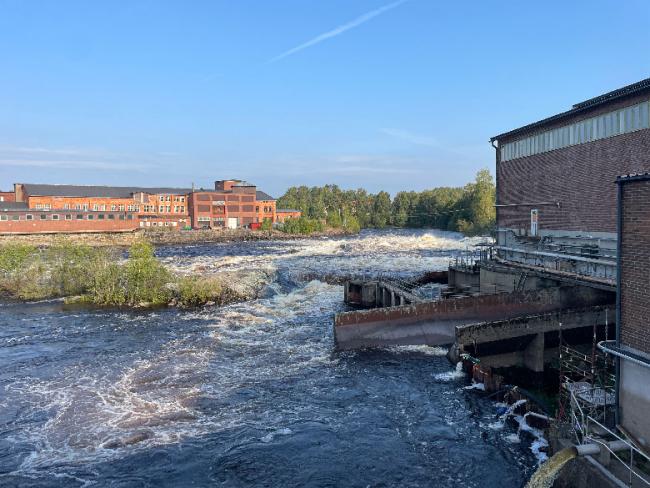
column 302, row 225
column 267, row 224
column 194, row 291
column 14, row 257
column 146, row 277
column 73, row 267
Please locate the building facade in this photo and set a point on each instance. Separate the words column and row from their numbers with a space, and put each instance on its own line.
column 33, row 208
column 632, row 344
column 556, row 190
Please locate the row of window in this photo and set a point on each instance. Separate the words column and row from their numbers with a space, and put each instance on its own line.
column 5, row 217
column 168, row 198
column 611, row 124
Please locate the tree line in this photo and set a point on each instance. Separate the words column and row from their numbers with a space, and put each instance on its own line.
column 468, row 209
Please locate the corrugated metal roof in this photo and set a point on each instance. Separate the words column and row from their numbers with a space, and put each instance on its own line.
column 260, row 195
column 95, row 191
column 581, row 107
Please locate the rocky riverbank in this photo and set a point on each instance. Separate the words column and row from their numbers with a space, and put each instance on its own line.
column 162, row 238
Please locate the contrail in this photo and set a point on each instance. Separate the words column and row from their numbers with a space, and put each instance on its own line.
column 338, row 30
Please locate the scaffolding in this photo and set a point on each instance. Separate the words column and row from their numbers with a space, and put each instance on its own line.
column 587, row 411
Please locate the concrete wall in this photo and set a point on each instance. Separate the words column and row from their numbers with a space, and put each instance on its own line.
column 634, row 400
column 433, row 323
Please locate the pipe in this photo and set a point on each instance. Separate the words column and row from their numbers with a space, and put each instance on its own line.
column 619, row 234
column 610, row 347
column 593, row 449
column 571, row 257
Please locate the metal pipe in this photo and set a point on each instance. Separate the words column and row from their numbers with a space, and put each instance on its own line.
column 619, row 353
column 572, row 257
column 534, row 204
column 619, row 229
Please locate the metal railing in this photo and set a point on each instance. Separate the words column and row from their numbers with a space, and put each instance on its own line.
column 589, row 430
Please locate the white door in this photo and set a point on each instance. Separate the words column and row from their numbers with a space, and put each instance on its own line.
column 534, row 219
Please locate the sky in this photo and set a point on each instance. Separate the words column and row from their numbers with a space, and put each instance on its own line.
column 375, row 94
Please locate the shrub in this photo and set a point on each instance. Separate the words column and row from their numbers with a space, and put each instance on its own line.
column 194, row 291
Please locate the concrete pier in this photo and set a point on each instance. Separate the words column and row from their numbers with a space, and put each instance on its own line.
column 434, row 323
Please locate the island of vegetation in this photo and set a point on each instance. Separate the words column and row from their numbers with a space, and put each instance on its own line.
column 102, row 276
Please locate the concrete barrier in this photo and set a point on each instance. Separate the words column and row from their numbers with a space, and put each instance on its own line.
column 433, row 323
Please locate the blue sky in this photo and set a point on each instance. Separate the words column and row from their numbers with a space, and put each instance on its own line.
column 400, row 95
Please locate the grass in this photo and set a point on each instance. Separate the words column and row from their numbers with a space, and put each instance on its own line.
column 85, row 274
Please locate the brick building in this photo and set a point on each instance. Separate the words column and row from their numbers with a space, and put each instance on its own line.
column 632, row 344
column 70, row 208
column 556, row 190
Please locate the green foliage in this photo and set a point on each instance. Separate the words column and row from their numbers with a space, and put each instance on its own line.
column 146, row 278
column 302, row 225
column 469, row 209
column 73, row 266
column 267, row 224
column 194, row 291
column 13, row 257
column 84, row 274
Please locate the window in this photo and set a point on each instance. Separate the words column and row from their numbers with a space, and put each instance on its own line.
column 121, row 216
column 111, row 217
column 121, row 207
column 55, row 217
column 29, row 217
column 96, row 207
column 4, row 217
column 91, row 216
column 68, row 217
column 129, row 217
column 161, row 208
column 80, row 217
column 43, row 217
column 625, row 120
column 15, row 217
column 66, row 206
column 113, row 208
column 100, row 216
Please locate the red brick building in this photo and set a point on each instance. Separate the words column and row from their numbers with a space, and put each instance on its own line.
column 556, row 191
column 70, row 208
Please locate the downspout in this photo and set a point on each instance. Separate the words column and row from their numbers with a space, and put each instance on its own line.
column 619, row 229
column 496, row 188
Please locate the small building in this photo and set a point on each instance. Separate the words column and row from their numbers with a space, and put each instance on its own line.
column 7, row 196
column 556, row 190
column 287, row 213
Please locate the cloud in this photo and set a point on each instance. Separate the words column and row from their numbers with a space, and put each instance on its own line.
column 338, row 30
column 407, row 136
column 72, row 164
column 70, row 158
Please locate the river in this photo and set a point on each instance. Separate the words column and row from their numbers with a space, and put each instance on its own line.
column 252, row 394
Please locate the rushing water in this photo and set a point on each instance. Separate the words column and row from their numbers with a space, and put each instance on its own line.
column 252, row 394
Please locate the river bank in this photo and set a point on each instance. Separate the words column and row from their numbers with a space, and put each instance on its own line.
column 166, row 238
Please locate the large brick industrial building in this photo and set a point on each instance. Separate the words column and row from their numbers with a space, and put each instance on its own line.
column 34, row 208
column 564, row 212
column 556, row 183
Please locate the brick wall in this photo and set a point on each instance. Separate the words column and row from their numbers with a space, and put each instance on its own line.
column 635, row 264
column 17, row 222
column 582, row 178
column 7, row 196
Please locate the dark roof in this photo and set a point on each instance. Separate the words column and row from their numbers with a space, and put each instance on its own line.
column 95, row 191
column 13, row 205
column 635, row 177
column 581, row 107
column 260, row 195
column 287, row 210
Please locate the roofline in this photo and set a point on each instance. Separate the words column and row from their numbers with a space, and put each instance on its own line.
column 578, row 108
column 635, row 177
